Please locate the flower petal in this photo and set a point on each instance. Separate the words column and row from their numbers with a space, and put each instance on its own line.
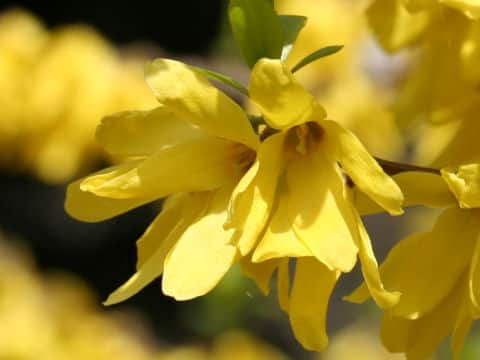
column 474, row 276
column 415, row 264
column 319, row 211
column 261, row 273
column 464, row 181
column 283, row 284
column 384, row 298
column 312, row 287
column 252, row 210
column 281, row 98
column 419, row 188
column 280, row 240
column 202, row 255
column 363, row 169
column 139, row 133
column 88, row 207
column 153, row 266
column 198, row 165
column 419, row 339
column 190, row 96
column 158, row 230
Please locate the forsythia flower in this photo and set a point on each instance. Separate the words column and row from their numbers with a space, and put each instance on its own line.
column 437, row 272
column 197, row 145
column 294, row 203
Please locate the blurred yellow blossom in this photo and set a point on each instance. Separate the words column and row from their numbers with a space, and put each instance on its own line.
column 54, row 88
column 56, row 317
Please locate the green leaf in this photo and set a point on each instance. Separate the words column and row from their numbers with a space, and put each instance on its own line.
column 292, row 25
column 320, row 53
column 257, row 29
column 227, row 80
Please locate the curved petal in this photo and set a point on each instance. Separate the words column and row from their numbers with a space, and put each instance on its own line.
column 261, row 273
column 140, row 133
column 418, row 188
column 415, row 264
column 280, row 240
column 363, row 169
column 281, row 98
column 319, row 212
column 283, row 284
column 464, row 181
column 252, row 210
column 384, row 298
column 419, row 339
column 202, row 255
column 198, row 165
column 88, row 207
column 312, row 287
column 158, row 230
column 474, row 276
column 153, row 266
column 190, row 96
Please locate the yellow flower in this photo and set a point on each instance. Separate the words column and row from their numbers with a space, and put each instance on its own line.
column 437, row 272
column 197, row 145
column 294, row 202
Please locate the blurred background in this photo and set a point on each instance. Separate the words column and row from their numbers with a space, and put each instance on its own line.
column 64, row 65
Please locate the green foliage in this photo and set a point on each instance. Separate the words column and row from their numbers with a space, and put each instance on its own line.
column 227, row 80
column 318, row 54
column 257, row 29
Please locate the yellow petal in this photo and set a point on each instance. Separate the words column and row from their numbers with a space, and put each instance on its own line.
column 252, row 209
column 237, row 194
column 197, row 165
column 138, row 133
column 419, row 339
column 415, row 266
column 470, row 8
column 88, row 207
column 261, row 273
column 158, row 230
column 319, row 211
column 384, row 298
column 418, row 188
column 281, row 98
column 464, row 181
column 153, row 266
column 283, row 284
column 474, row 280
column 393, row 25
column 202, row 255
column 279, row 239
column 191, row 97
column 312, row 287
column 363, row 169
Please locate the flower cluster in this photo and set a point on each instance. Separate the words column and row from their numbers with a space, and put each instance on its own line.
column 282, row 192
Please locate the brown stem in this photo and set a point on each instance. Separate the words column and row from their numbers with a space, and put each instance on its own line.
column 392, row 167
